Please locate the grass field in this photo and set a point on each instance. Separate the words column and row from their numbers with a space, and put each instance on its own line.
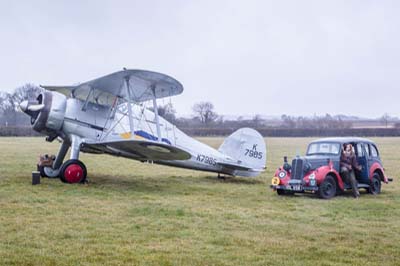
column 141, row 214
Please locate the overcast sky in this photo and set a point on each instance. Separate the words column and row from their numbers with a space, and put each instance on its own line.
column 246, row 57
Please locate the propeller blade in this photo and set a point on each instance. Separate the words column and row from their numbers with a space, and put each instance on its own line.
column 35, row 107
column 29, row 106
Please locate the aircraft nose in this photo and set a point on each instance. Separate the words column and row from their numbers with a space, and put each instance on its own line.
column 24, row 106
column 28, row 107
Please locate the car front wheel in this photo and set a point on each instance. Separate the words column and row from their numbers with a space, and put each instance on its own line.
column 327, row 189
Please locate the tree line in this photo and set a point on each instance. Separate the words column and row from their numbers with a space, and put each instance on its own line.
column 204, row 119
column 10, row 115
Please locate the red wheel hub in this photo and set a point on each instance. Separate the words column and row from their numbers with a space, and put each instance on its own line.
column 73, row 173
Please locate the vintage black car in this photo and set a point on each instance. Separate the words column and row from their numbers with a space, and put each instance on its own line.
column 318, row 171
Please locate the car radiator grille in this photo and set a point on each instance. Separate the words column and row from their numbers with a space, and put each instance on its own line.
column 297, row 169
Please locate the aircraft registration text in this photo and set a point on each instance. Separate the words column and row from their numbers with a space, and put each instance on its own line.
column 206, row 159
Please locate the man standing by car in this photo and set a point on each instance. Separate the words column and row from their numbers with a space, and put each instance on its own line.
column 347, row 164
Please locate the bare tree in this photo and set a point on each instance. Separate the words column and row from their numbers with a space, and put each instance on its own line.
column 204, row 111
column 3, row 101
column 257, row 121
column 26, row 92
column 288, row 121
column 168, row 112
column 9, row 111
column 385, row 119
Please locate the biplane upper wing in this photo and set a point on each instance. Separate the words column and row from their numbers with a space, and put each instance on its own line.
column 66, row 90
column 131, row 84
column 138, row 149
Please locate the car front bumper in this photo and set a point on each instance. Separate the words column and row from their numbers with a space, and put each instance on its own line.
column 295, row 188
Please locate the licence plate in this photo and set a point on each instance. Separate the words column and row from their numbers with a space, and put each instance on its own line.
column 296, row 187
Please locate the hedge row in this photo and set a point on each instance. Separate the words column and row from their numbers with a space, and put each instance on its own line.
column 267, row 132
column 297, row 132
column 16, row 131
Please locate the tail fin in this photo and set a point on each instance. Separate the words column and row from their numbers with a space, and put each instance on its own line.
column 247, row 149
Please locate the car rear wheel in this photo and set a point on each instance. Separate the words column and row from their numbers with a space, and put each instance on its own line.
column 375, row 185
column 327, row 189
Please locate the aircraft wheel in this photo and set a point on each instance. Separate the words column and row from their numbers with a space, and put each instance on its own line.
column 375, row 186
column 73, row 171
column 328, row 188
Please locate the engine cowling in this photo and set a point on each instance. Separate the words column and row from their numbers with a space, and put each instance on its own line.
column 47, row 113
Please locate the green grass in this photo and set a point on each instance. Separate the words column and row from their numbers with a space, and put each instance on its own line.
column 133, row 213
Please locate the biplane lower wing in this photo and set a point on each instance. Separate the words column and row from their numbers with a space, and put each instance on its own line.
column 137, row 149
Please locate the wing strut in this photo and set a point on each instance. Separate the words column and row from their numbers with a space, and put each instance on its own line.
column 156, row 115
column 129, row 107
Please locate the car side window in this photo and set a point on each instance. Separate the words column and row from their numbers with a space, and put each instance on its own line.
column 374, row 151
column 367, row 150
column 359, row 150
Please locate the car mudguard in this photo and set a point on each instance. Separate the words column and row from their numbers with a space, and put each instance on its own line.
column 377, row 167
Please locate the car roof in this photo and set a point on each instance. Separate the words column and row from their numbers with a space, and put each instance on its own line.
column 343, row 140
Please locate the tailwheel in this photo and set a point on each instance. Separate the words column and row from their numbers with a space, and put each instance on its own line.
column 73, row 171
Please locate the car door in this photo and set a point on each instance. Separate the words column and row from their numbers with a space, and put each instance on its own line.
column 362, row 159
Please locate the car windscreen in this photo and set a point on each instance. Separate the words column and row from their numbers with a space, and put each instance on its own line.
column 323, row 148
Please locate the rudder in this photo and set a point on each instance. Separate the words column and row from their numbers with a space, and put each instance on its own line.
column 247, row 147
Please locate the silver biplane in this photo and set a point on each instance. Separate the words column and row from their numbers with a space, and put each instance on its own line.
column 108, row 115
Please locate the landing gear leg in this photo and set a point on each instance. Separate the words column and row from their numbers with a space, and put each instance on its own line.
column 221, row 176
column 73, row 170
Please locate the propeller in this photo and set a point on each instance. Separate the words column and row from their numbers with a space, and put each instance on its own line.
column 29, row 106
column 32, row 109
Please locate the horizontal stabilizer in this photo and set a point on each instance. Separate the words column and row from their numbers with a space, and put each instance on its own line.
column 234, row 166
